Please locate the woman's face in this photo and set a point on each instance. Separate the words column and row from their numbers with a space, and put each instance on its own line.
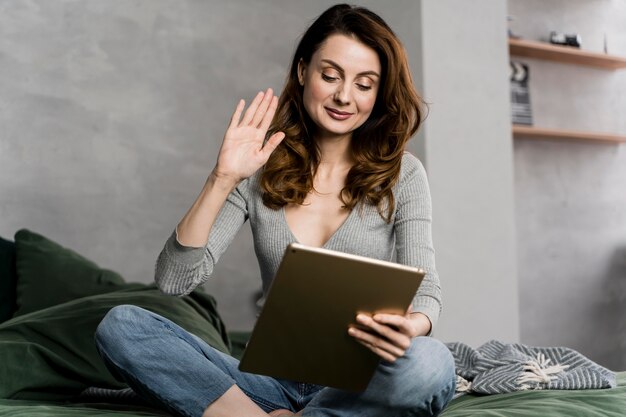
column 340, row 85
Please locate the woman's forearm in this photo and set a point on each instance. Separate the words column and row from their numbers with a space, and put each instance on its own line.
column 194, row 228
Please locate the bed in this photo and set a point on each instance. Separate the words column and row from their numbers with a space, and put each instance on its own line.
column 52, row 299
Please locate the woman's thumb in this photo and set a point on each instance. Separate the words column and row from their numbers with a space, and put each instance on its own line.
column 273, row 142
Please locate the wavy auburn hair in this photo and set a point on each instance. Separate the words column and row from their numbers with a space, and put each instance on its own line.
column 377, row 145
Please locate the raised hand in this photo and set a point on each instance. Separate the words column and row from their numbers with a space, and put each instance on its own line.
column 242, row 152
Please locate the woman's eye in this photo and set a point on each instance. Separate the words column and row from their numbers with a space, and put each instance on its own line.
column 364, row 87
column 328, row 77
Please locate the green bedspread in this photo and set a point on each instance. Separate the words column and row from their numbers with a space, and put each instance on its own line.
column 597, row 403
column 48, row 357
column 24, row 408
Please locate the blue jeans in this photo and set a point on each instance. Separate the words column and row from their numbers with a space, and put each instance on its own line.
column 176, row 370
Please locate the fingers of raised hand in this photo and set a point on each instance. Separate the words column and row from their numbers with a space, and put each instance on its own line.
column 272, row 143
column 262, row 110
column 254, row 105
column 269, row 114
column 254, row 115
column 234, row 120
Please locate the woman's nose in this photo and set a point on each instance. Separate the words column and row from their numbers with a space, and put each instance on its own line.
column 342, row 94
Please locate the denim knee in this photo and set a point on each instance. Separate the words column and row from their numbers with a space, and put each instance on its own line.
column 426, row 377
column 115, row 329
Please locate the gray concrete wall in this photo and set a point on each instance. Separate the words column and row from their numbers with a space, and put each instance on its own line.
column 570, row 196
column 112, row 113
column 467, row 149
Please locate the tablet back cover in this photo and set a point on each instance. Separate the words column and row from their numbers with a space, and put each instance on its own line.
column 301, row 333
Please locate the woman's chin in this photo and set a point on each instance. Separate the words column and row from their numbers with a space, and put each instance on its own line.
column 332, row 131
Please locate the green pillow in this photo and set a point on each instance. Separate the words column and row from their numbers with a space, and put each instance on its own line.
column 49, row 274
column 51, row 355
column 7, row 279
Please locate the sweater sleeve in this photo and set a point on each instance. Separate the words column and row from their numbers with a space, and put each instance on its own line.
column 413, row 229
column 180, row 269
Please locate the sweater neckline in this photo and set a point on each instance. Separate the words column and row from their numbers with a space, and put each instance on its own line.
column 330, row 239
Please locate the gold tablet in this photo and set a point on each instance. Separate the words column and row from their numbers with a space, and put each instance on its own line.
column 302, row 331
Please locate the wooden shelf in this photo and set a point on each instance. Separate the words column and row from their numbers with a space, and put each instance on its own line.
column 539, row 133
column 564, row 54
column 567, row 55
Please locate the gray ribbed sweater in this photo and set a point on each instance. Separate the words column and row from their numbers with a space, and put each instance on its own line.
column 179, row 269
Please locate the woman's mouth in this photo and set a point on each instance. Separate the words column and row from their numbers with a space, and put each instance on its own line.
column 336, row 114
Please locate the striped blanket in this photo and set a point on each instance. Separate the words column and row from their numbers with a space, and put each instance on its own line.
column 496, row 368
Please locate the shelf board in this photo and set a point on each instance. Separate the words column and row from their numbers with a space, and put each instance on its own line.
column 564, row 54
column 540, row 133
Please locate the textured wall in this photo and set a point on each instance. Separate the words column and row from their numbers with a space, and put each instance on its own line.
column 112, row 113
column 570, row 196
column 469, row 158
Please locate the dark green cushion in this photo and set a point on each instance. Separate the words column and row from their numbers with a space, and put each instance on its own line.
column 238, row 342
column 49, row 274
column 51, row 354
column 7, row 279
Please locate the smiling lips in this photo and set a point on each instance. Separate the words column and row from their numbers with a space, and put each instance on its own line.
column 336, row 114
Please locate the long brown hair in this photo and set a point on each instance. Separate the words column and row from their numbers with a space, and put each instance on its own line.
column 377, row 145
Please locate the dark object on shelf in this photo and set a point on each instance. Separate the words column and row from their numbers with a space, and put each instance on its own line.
column 520, row 97
column 509, row 31
column 563, row 39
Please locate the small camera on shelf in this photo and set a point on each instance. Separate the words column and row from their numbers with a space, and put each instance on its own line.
column 563, row 39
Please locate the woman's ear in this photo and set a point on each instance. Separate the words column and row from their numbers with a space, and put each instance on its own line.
column 301, row 71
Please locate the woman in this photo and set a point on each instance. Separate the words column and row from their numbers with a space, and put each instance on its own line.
column 324, row 165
